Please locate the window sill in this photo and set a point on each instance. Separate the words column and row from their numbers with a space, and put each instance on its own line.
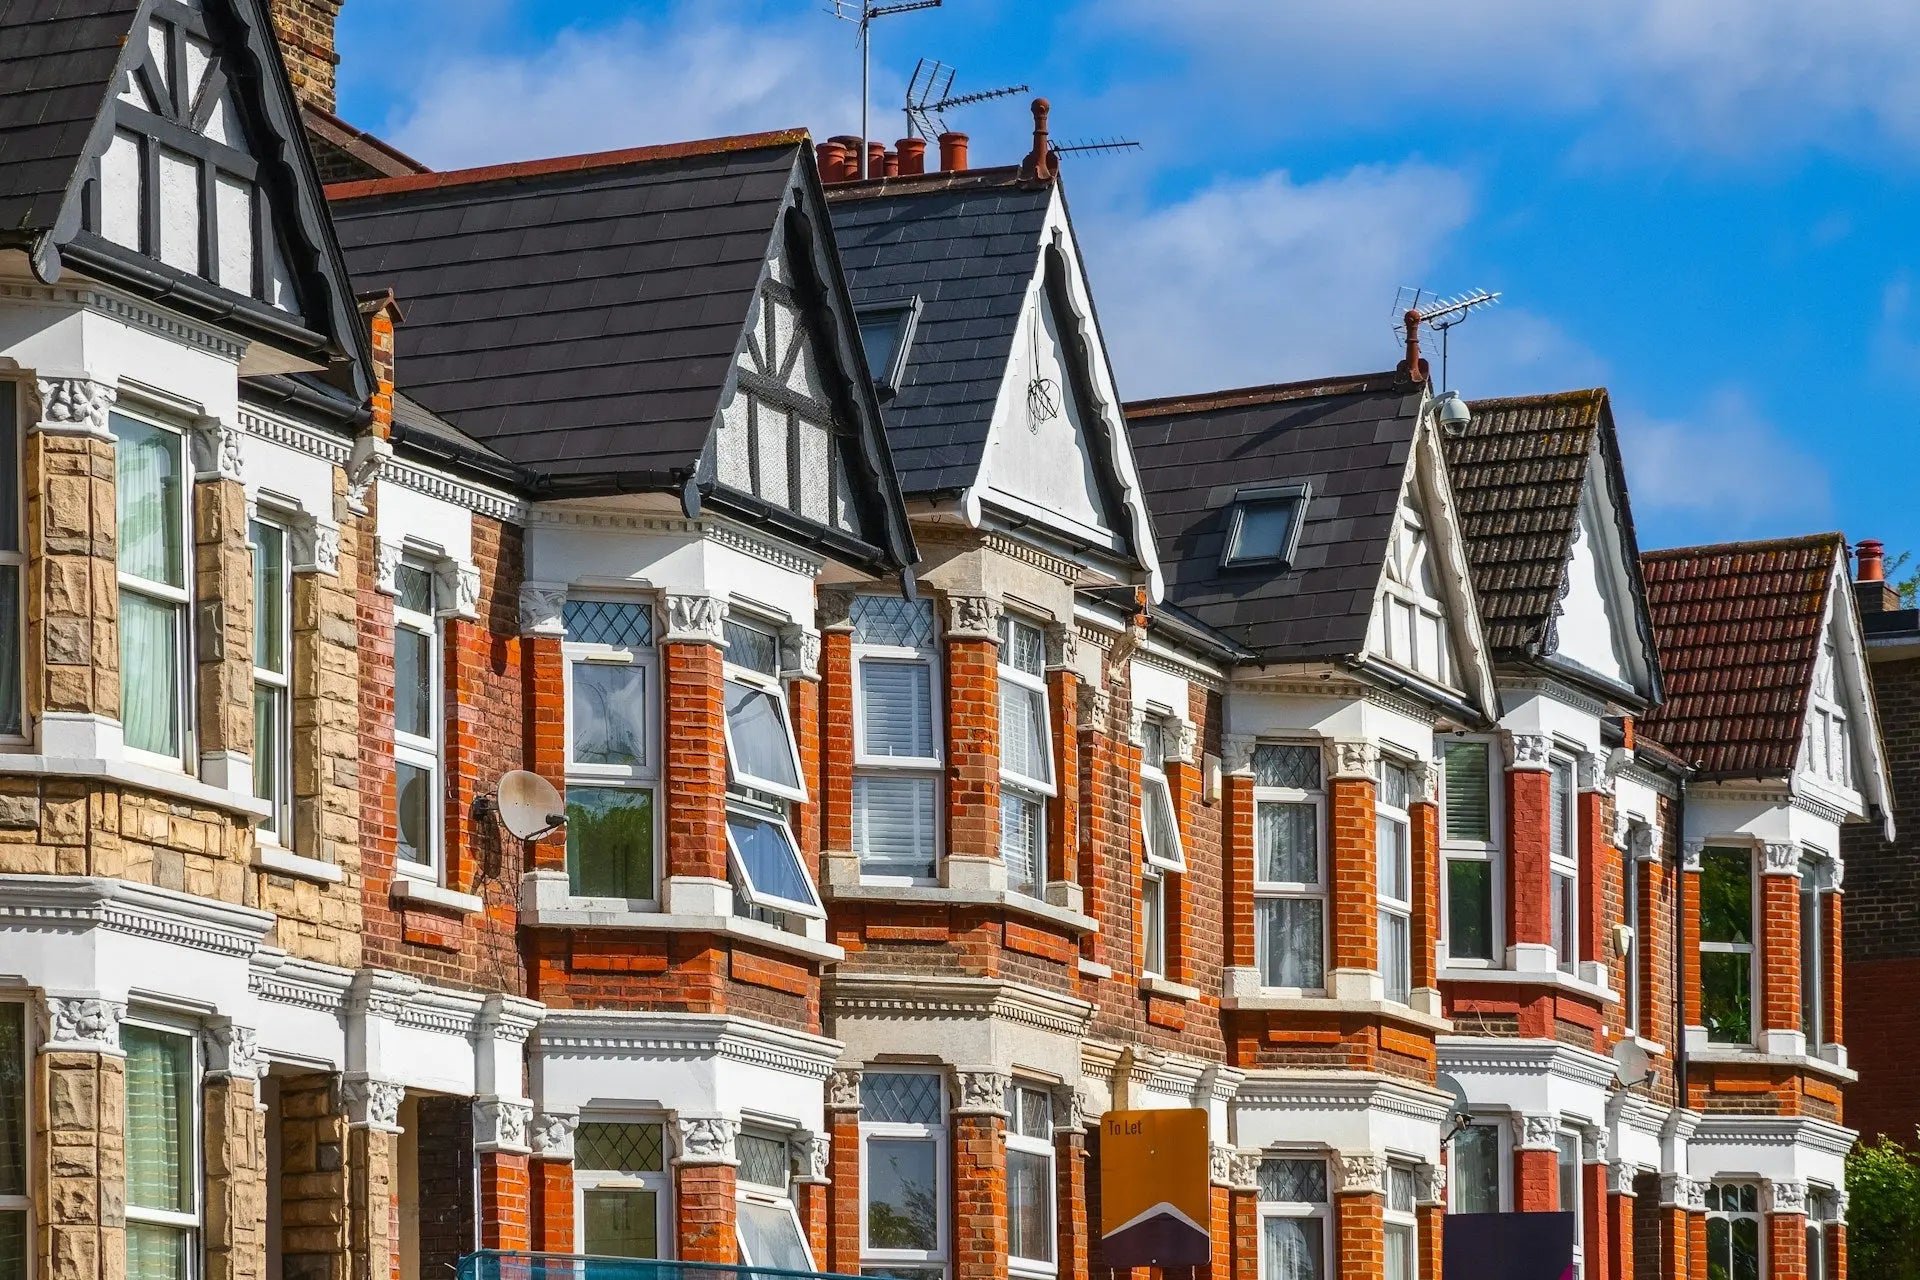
column 1531, row 977
column 274, row 860
column 945, row 895
column 145, row 777
column 596, row 913
column 1155, row 985
column 1734, row 1055
column 408, row 890
column 1386, row 1010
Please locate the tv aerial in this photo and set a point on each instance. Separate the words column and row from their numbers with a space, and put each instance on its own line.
column 1439, row 313
column 1099, row 146
column 930, row 96
column 529, row 806
column 864, row 12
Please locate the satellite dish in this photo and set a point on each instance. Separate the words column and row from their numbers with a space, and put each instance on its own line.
column 1459, row 1114
column 530, row 806
column 1632, row 1065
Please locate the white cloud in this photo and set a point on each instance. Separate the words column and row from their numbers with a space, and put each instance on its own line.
column 695, row 74
column 1746, row 78
column 1725, row 472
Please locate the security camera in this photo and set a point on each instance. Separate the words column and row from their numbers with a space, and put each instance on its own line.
column 1452, row 413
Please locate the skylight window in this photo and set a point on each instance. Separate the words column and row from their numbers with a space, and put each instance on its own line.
column 887, row 334
column 1264, row 526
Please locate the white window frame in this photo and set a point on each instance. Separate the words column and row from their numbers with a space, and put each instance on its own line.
column 1391, row 908
column 1404, row 1220
column 1502, row 1168
column 770, row 684
column 1153, row 778
column 773, row 1197
column 1321, row 1213
column 1156, row 865
column 1400, row 590
column 1563, row 866
column 1820, row 1207
column 931, row 768
column 1639, row 831
column 1757, row 1215
column 279, row 770
column 1321, row 892
column 1749, row 948
column 1816, row 884
column 659, row 1182
column 644, row 776
column 13, row 423
column 23, row 1203
column 180, row 599
column 1029, row 790
column 191, row 1222
column 1037, row 1146
column 937, row 1134
column 1491, row 851
column 1153, row 921
column 427, row 753
column 755, row 895
column 1577, row 1208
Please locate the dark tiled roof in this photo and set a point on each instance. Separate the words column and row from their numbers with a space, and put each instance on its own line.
column 580, row 316
column 968, row 246
column 1738, row 627
column 57, row 59
column 1517, row 473
column 1348, row 438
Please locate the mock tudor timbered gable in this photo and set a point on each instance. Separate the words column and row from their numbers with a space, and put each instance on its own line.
column 1841, row 757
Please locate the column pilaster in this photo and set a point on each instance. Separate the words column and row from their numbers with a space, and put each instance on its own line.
column 542, row 634
column 80, row 1140
column 1529, row 794
column 843, row 1201
column 837, row 722
column 550, row 1178
column 1353, row 870
column 704, row 1165
column 973, row 738
column 979, row 1127
column 1360, row 1203
column 691, row 656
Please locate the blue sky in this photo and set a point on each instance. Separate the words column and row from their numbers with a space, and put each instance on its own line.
column 1710, row 217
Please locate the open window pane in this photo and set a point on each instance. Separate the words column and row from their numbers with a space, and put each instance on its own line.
column 1290, row 939
column 609, row 714
column 610, row 842
column 894, row 825
column 902, row 1189
column 771, row 873
column 770, row 1237
column 896, row 709
column 1161, row 831
column 622, row 1222
column 150, row 674
column 760, row 746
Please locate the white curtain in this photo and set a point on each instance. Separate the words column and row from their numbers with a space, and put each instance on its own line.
column 10, row 625
column 1293, row 1249
column 1288, row 843
column 1291, row 946
column 149, row 673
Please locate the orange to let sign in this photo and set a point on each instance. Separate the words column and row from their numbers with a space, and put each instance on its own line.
column 1155, row 1200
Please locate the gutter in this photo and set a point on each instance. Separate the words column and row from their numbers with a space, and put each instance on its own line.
column 1466, row 711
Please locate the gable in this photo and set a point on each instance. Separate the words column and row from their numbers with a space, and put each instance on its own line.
column 1590, row 623
column 1413, row 620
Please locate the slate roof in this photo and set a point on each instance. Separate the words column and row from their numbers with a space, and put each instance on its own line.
column 579, row 316
column 1348, row 438
column 56, row 67
column 1738, row 627
column 968, row 245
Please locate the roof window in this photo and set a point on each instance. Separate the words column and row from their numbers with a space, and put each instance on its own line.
column 1263, row 527
column 887, row 333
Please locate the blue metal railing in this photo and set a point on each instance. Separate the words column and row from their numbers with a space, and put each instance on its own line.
column 500, row 1264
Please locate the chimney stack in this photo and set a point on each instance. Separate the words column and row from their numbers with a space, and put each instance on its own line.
column 382, row 311
column 953, row 153
column 913, row 156
column 1870, row 587
column 1414, row 367
column 1040, row 164
column 305, row 29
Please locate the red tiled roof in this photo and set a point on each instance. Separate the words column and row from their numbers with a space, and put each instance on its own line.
column 1738, row 626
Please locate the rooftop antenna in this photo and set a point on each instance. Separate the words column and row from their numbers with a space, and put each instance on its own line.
column 1439, row 314
column 930, row 96
column 1098, row 146
column 864, row 12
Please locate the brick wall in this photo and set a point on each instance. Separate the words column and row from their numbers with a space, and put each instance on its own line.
column 305, row 29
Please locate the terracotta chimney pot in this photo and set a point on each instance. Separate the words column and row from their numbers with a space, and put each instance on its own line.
column 876, row 158
column 890, row 165
column 1872, row 555
column 953, row 153
column 913, row 156
column 833, row 162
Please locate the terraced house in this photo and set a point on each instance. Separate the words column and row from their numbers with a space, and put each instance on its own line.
column 949, row 753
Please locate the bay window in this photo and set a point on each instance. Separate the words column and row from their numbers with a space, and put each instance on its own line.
column 903, row 1174
column 1030, row 1186
column 1726, row 944
column 1290, row 883
column 766, row 1223
column 418, row 721
column 897, row 755
column 162, row 1153
column 1469, row 846
column 1733, row 1230
column 1293, row 1209
column 13, row 570
column 1026, row 755
column 1162, row 851
column 1401, row 1227
column 272, row 679
column 763, row 764
column 1476, row 1168
column 15, row 1202
column 612, row 760
column 622, row 1189
column 150, row 479
column 1393, row 855
column 1563, row 853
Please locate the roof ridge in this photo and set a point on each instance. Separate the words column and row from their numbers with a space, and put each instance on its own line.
column 1269, row 393
column 1540, row 398
column 903, row 184
column 1756, row 544
column 565, row 164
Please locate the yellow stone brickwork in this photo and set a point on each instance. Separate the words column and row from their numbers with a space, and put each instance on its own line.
column 73, row 587
column 81, row 1203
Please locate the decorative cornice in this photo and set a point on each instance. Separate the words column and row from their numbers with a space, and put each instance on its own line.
column 1717, row 1129
column 1487, row 1055
column 1359, row 1173
column 82, row 1024
column 372, row 1103
column 298, row 437
column 684, row 1037
column 1057, row 566
column 1322, row 1091
column 695, row 619
column 543, row 610
column 551, row 1135
column 1559, row 691
column 492, row 503
column 501, row 1124
column 973, row 617
column 278, row 978
column 1528, row 751
column 705, row 1140
column 1151, row 654
column 71, row 904
column 759, row 548
column 72, row 406
column 169, row 326
column 944, row 998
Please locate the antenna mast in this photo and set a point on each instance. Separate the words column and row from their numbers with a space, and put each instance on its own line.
column 1440, row 314
column 864, row 12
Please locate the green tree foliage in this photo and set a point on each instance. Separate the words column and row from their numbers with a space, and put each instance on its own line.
column 1883, row 1211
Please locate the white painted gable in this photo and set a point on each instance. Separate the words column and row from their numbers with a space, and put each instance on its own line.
column 1830, row 744
column 1040, row 457
column 1592, row 625
column 1413, row 624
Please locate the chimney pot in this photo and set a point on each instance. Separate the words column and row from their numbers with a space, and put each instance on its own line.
column 1039, row 165
column 890, row 165
column 1414, row 366
column 833, row 162
column 1873, row 560
column 876, row 158
column 913, row 156
column 953, row 153
column 1871, row 589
